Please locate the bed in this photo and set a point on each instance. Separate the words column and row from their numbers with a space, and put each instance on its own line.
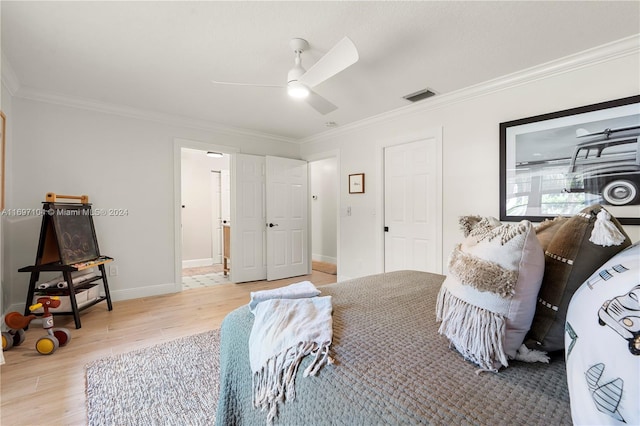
column 392, row 367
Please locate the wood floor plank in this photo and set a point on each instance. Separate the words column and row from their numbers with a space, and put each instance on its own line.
column 50, row 389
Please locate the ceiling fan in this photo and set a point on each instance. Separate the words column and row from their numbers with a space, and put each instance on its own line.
column 301, row 81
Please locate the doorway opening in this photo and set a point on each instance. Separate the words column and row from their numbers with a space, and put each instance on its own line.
column 279, row 240
column 324, row 190
column 205, row 205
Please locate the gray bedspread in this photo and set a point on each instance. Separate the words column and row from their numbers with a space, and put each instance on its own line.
column 392, row 367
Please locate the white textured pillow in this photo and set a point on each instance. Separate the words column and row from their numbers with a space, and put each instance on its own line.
column 602, row 344
column 487, row 302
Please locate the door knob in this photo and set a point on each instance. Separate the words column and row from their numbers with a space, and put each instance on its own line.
column 271, row 225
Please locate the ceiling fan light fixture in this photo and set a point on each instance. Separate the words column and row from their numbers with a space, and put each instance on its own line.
column 300, row 82
column 297, row 90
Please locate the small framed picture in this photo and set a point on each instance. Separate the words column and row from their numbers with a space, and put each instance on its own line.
column 356, row 183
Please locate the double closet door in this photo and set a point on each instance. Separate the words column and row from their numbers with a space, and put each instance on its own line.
column 269, row 218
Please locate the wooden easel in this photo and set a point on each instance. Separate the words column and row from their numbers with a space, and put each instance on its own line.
column 68, row 244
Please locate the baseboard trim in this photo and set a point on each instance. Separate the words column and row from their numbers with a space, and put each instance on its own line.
column 322, row 258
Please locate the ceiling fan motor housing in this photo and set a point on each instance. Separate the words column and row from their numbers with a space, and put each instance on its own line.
column 298, row 45
column 295, row 88
column 295, row 73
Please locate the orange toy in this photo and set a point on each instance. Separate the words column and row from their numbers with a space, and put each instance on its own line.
column 46, row 345
column 15, row 336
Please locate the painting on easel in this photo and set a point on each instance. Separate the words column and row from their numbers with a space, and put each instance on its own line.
column 75, row 233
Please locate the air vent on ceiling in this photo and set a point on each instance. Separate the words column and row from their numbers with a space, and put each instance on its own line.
column 419, row 95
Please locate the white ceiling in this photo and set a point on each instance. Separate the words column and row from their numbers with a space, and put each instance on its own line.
column 161, row 56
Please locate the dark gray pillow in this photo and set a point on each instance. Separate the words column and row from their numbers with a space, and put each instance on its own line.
column 547, row 229
column 570, row 258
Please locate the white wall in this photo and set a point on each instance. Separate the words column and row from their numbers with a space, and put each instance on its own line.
column 6, row 106
column 119, row 162
column 324, row 207
column 5, row 102
column 469, row 121
column 129, row 163
column 197, row 199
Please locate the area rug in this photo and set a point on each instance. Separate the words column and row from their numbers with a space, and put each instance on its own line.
column 175, row 383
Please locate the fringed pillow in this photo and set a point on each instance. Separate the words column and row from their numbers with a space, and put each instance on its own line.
column 487, row 301
column 582, row 244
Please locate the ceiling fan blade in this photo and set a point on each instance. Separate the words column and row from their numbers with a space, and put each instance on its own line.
column 340, row 57
column 230, row 83
column 319, row 103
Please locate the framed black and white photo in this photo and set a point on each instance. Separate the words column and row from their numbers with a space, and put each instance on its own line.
column 557, row 164
column 356, row 183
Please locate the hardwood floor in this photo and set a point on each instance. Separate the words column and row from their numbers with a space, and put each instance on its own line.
column 50, row 389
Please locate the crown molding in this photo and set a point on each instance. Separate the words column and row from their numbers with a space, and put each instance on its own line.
column 141, row 114
column 617, row 49
column 9, row 78
column 11, row 82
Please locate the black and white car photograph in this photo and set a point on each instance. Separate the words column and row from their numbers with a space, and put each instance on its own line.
column 559, row 163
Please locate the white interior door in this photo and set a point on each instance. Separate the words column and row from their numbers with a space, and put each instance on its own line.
column 287, row 218
column 216, row 218
column 248, row 218
column 225, row 196
column 411, row 203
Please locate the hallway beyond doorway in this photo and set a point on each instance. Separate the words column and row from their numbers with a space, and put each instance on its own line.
column 203, row 276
